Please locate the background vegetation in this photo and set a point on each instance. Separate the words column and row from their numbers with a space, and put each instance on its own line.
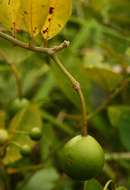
column 99, row 58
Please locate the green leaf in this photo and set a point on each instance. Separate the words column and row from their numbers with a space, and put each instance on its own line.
column 114, row 16
column 46, row 144
column 103, row 76
column 43, row 92
column 100, row 72
column 99, row 5
column 119, row 117
column 25, row 120
column 13, row 53
column 44, row 179
column 92, row 184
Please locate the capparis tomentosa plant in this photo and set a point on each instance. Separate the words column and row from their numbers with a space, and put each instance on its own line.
column 29, row 25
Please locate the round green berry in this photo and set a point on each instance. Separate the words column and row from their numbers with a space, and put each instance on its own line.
column 35, row 133
column 18, row 104
column 82, row 157
column 26, row 150
column 4, row 137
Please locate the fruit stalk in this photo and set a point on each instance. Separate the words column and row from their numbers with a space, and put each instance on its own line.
column 77, row 88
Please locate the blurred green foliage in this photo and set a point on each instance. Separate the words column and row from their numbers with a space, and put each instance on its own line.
column 99, row 58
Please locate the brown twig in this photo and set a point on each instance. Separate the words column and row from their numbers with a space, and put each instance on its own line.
column 49, row 51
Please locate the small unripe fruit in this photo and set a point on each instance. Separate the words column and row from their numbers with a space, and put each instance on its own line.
column 82, row 157
column 35, row 134
column 4, row 137
column 25, row 150
column 18, row 104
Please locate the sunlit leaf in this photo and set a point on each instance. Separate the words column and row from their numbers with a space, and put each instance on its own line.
column 99, row 72
column 34, row 14
column 59, row 13
column 9, row 14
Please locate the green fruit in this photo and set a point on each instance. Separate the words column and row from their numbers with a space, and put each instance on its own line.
column 82, row 157
column 17, row 105
column 25, row 150
column 35, row 134
column 4, row 137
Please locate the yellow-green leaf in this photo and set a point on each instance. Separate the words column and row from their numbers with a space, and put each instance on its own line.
column 9, row 14
column 59, row 13
column 24, row 120
column 34, row 13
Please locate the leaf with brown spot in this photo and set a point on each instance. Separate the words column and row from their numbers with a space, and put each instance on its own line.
column 9, row 15
column 59, row 13
column 34, row 13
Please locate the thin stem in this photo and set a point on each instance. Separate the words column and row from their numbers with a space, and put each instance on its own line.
column 109, row 183
column 84, row 186
column 79, row 7
column 77, row 88
column 109, row 171
column 84, row 113
column 39, row 49
column 117, row 156
column 15, row 73
column 20, row 132
column 18, row 79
